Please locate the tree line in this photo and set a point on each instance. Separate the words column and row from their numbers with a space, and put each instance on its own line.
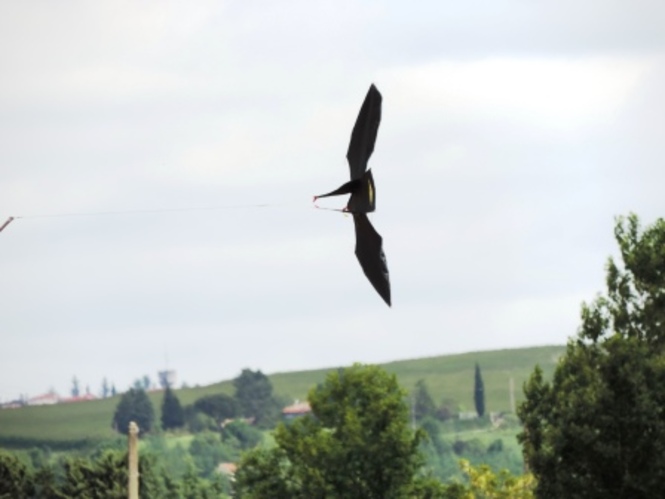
column 253, row 399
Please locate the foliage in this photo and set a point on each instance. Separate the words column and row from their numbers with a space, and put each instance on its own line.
column 253, row 392
column 480, row 483
column 446, row 444
column 207, row 451
column 46, row 483
column 428, row 487
column 219, row 407
column 197, row 422
column 241, row 435
column 484, row 483
column 134, row 406
column 264, row 474
column 598, row 428
column 104, row 476
column 171, row 454
column 423, row 404
column 192, row 487
column 479, row 392
column 357, row 444
column 446, row 410
column 15, row 477
column 172, row 413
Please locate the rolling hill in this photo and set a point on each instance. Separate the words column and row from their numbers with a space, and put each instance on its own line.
column 448, row 376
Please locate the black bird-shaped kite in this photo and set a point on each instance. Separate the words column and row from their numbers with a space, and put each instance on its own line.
column 369, row 244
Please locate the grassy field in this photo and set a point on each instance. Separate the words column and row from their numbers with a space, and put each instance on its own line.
column 449, row 376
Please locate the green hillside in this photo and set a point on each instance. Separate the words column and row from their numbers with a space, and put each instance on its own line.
column 448, row 376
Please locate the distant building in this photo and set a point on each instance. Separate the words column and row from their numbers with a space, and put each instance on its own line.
column 167, row 378
column 49, row 398
column 12, row 404
column 296, row 409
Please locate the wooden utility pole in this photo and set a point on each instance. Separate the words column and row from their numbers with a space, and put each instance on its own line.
column 133, row 444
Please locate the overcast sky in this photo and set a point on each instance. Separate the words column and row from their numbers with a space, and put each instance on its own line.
column 513, row 133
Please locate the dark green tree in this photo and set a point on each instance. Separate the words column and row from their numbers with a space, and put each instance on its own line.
column 598, row 428
column 105, row 476
column 253, row 391
column 356, row 444
column 479, row 392
column 172, row 413
column 46, row 483
column 219, row 406
column 447, row 409
column 15, row 477
column 241, row 435
column 134, row 406
column 423, row 405
column 197, row 421
column 264, row 474
column 194, row 487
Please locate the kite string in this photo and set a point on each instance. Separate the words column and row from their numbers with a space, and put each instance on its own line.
column 163, row 210
column 149, row 211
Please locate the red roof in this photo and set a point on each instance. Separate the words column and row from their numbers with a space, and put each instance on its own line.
column 80, row 398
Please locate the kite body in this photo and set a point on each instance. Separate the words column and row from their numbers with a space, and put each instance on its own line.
column 363, row 194
column 369, row 244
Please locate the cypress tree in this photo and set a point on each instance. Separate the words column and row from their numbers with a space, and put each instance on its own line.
column 479, row 393
column 172, row 413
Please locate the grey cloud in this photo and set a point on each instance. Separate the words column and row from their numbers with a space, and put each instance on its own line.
column 495, row 226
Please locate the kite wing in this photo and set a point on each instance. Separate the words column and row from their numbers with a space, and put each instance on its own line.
column 369, row 250
column 364, row 133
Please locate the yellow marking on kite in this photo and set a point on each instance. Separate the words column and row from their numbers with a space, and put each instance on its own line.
column 371, row 193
